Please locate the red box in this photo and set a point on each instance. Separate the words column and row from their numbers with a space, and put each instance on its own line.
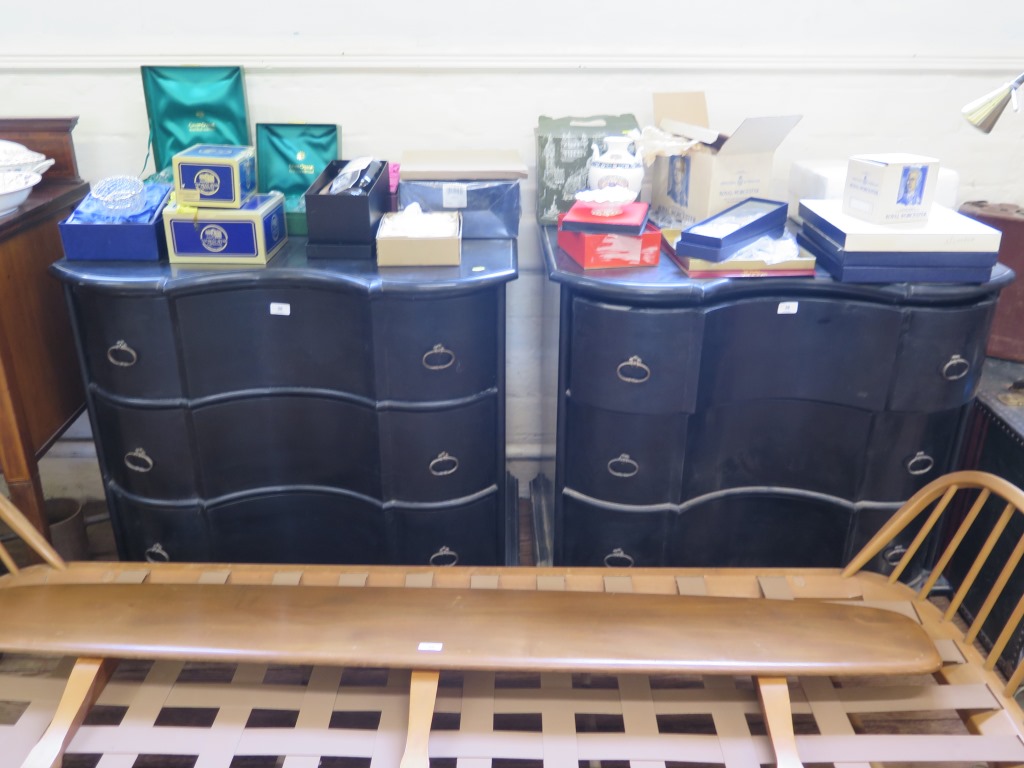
column 601, row 250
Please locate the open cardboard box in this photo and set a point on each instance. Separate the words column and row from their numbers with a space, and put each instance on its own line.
column 718, row 172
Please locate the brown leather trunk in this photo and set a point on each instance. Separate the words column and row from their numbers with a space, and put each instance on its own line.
column 1006, row 340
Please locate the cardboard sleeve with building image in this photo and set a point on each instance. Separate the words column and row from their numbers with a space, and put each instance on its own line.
column 719, row 170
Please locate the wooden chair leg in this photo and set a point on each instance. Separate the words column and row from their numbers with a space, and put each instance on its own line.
column 422, row 695
column 778, row 718
column 87, row 680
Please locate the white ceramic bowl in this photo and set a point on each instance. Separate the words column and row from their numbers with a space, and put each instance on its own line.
column 15, row 187
column 17, row 157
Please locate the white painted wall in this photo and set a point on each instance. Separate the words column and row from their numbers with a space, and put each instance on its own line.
column 866, row 76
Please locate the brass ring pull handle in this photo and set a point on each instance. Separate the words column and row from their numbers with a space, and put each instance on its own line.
column 955, row 368
column 920, row 464
column 444, row 557
column 138, row 461
column 121, row 355
column 623, row 466
column 642, row 374
column 443, row 464
column 157, row 554
column 618, row 559
column 894, row 554
column 438, row 358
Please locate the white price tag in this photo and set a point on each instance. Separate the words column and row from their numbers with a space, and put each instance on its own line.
column 454, row 195
column 788, row 307
column 430, row 647
column 280, row 308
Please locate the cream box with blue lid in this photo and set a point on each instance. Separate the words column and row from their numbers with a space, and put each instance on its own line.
column 252, row 234
column 214, row 175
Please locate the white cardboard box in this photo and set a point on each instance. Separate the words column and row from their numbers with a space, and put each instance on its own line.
column 826, row 179
column 893, row 188
column 441, row 247
column 718, row 172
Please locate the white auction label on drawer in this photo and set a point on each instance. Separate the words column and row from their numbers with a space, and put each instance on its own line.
column 788, row 307
column 280, row 308
column 454, row 195
column 430, row 647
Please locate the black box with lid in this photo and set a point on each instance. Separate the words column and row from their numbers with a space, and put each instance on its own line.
column 345, row 226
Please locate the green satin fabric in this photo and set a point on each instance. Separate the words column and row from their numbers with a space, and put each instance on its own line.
column 289, row 156
column 194, row 105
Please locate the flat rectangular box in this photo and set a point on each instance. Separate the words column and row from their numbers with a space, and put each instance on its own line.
column 214, row 175
column 490, row 208
column 607, row 250
column 128, row 241
column 945, row 230
column 252, row 234
column 395, row 250
column 718, row 171
column 593, row 218
column 847, row 273
column 720, row 236
column 892, row 188
column 346, row 224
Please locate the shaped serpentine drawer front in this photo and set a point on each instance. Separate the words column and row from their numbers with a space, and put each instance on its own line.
column 636, row 360
column 128, row 344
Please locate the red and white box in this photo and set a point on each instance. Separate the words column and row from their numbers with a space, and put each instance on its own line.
column 603, row 250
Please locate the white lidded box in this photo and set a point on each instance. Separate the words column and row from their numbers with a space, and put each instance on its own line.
column 891, row 188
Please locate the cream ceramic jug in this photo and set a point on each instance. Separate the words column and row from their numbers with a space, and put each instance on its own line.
column 617, row 167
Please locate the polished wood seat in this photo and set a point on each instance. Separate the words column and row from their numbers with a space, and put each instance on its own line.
column 109, row 611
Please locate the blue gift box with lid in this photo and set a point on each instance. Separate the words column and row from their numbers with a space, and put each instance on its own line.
column 89, row 236
column 214, row 175
column 718, row 237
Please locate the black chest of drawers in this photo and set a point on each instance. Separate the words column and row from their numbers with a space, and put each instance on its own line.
column 757, row 422
column 308, row 411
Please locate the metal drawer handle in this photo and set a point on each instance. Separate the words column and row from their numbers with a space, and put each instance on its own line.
column 157, row 554
column 438, row 358
column 122, row 355
column 920, row 464
column 623, row 466
column 445, row 557
column 622, row 371
column 955, row 368
column 618, row 559
column 443, row 464
column 138, row 461
column 894, row 554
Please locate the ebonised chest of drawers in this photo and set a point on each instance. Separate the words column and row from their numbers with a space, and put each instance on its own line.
column 308, row 411
column 751, row 422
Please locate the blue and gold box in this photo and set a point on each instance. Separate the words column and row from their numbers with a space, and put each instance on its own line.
column 138, row 237
column 252, row 234
column 214, row 175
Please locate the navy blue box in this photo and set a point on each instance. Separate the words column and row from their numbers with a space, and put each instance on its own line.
column 345, row 226
column 718, row 237
column 127, row 241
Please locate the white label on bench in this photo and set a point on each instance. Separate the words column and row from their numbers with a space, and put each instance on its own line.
column 788, row 307
column 434, row 647
column 280, row 308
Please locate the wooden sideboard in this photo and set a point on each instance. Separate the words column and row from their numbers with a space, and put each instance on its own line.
column 41, row 390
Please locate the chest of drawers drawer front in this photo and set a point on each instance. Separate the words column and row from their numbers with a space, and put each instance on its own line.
column 907, row 451
column 626, row 458
column 436, row 349
column 784, row 443
column 940, row 358
column 128, row 344
column 160, row 533
column 637, row 360
column 440, row 454
column 759, row 530
column 146, row 450
column 262, row 442
column 810, row 349
column 254, row 338
column 593, row 535
column 298, row 527
column 866, row 523
column 461, row 535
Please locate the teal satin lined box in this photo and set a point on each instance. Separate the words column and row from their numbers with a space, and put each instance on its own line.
column 214, row 175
